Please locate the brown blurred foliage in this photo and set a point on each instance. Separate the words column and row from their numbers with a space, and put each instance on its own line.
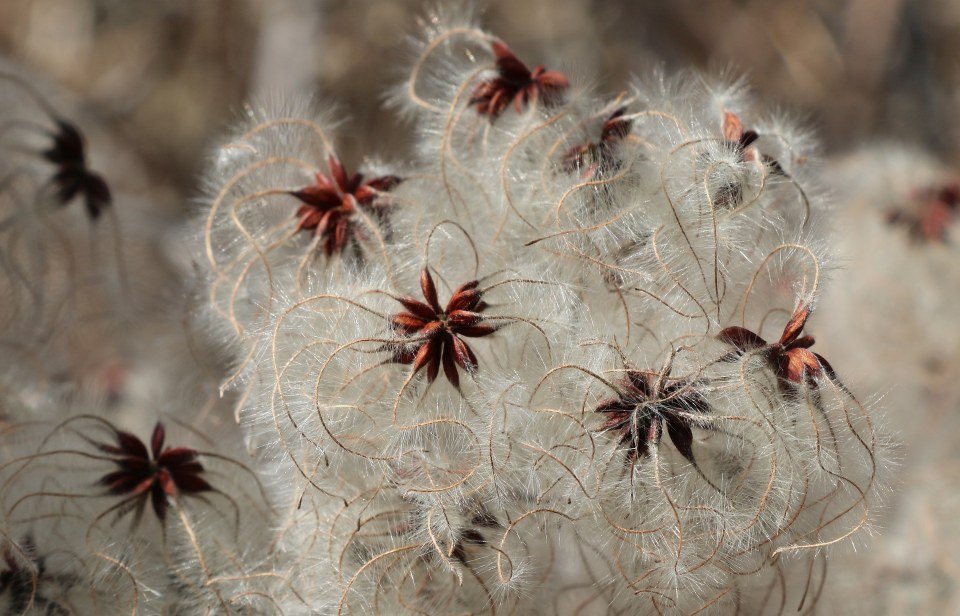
column 170, row 74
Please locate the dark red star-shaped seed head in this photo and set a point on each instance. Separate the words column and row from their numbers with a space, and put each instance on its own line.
column 73, row 177
column 791, row 358
column 516, row 83
column 593, row 157
column 434, row 334
column 158, row 474
column 330, row 205
column 67, row 152
column 743, row 142
column 640, row 412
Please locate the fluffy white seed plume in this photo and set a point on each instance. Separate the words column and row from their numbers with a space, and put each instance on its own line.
column 563, row 354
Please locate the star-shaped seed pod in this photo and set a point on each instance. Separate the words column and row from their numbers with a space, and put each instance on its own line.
column 592, row 158
column 72, row 176
column 158, row 474
column 742, row 141
column 67, row 152
column 330, row 205
column 434, row 335
column 646, row 403
column 790, row 356
column 516, row 83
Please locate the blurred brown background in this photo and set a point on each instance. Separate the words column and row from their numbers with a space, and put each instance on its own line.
column 169, row 75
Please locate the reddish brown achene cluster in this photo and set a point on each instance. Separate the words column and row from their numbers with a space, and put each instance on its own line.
column 330, row 205
column 791, row 358
column 645, row 404
column 743, row 141
column 938, row 207
column 517, row 84
column 67, row 152
column 593, row 157
column 73, row 177
column 158, row 477
column 434, row 333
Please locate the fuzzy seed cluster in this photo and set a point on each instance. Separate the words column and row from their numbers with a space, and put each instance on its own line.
column 556, row 361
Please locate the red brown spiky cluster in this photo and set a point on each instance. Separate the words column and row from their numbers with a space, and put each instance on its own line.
column 435, row 334
column 742, row 141
column 646, row 403
column 73, row 177
column 791, row 358
column 330, row 205
column 592, row 157
column 159, row 477
column 67, row 152
column 517, row 84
